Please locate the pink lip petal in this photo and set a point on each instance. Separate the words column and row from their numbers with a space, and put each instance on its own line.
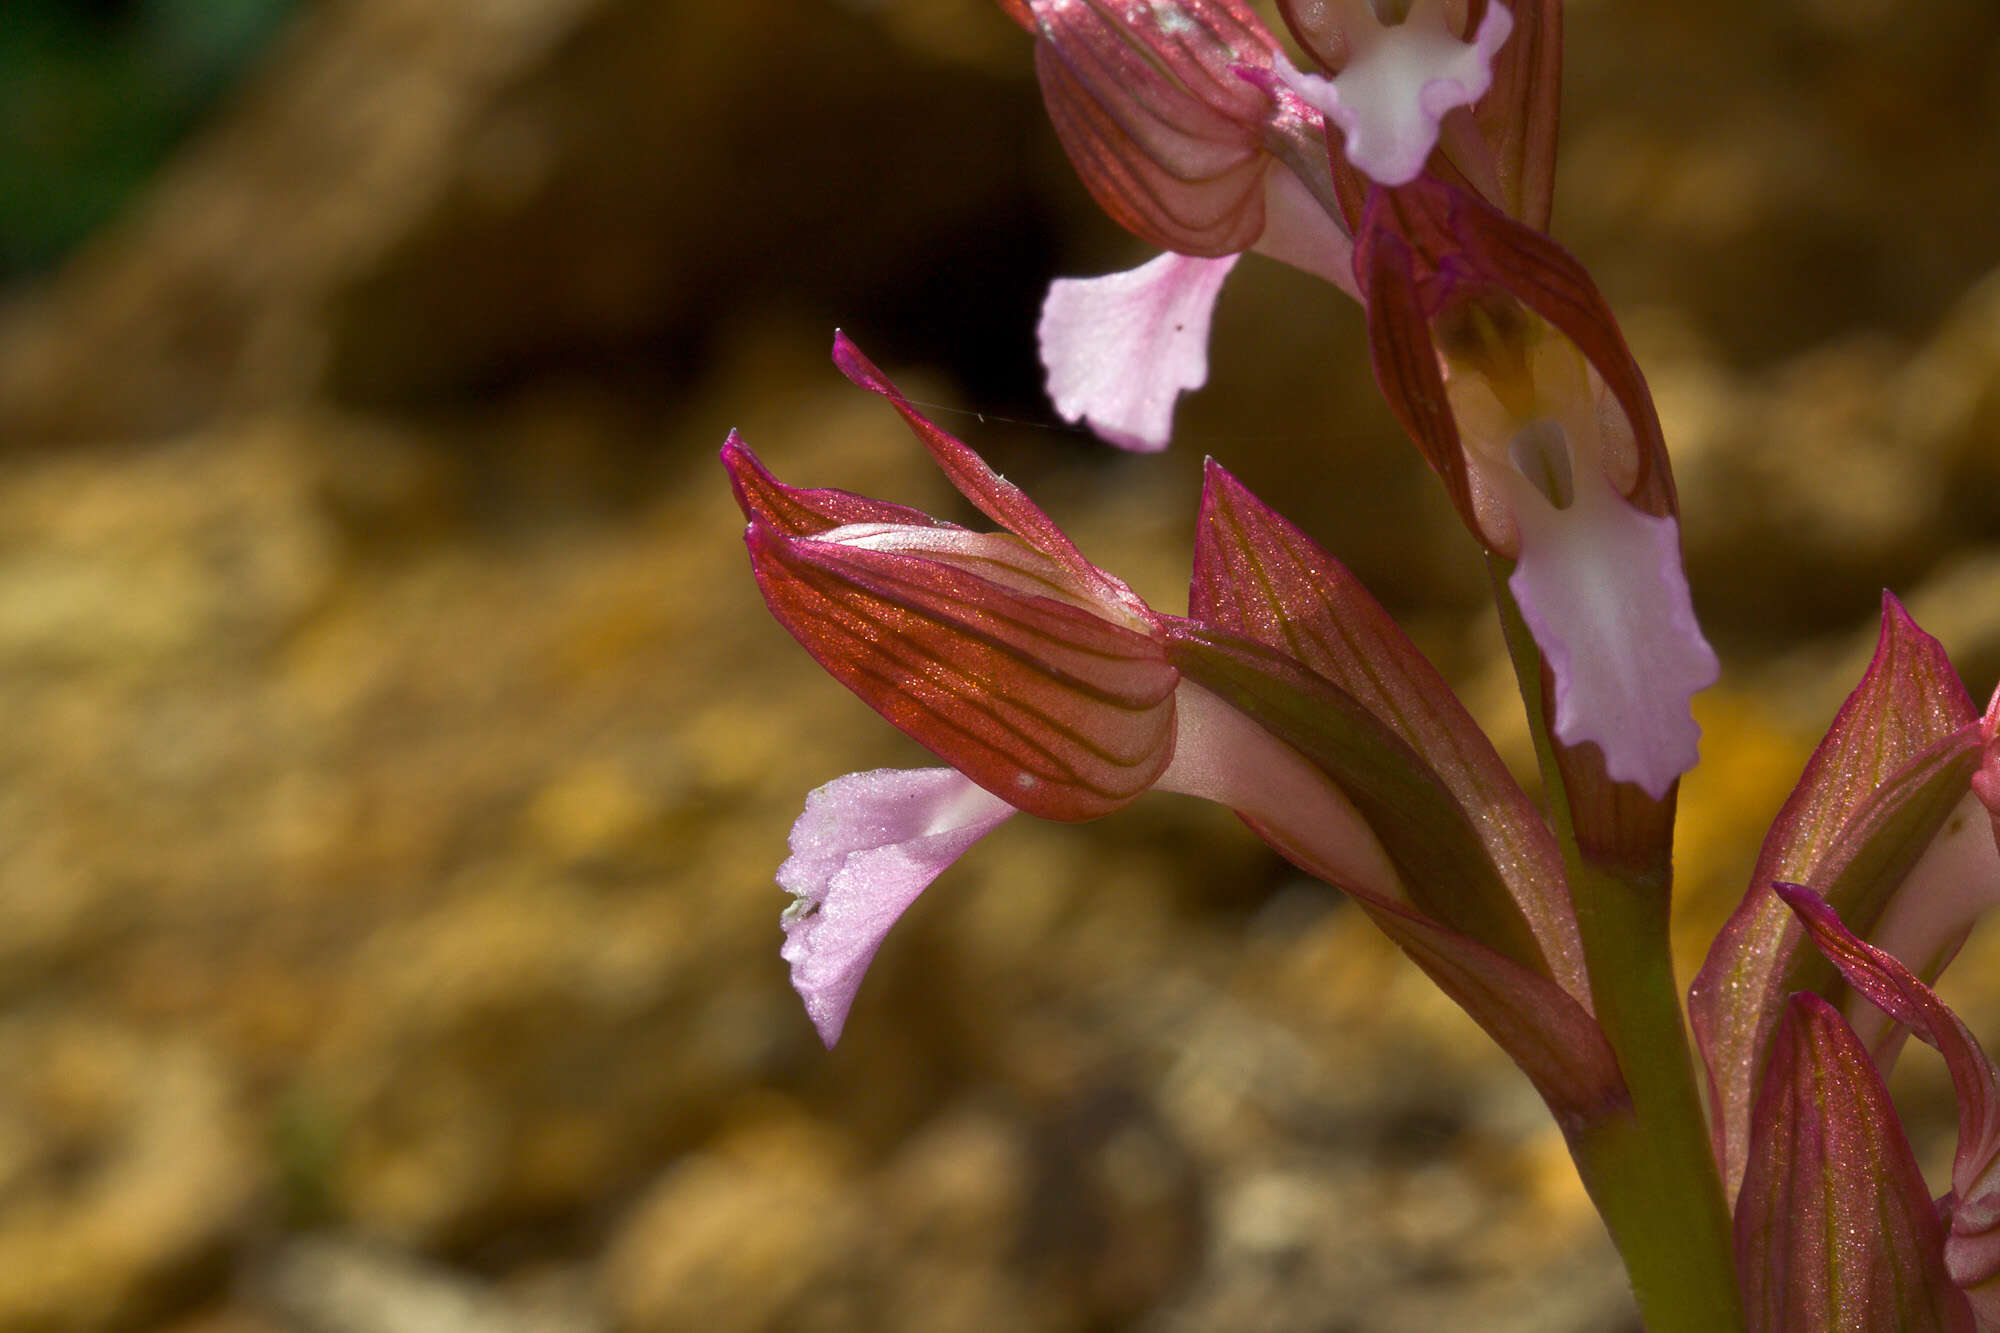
column 1601, row 586
column 1121, row 348
column 866, row 845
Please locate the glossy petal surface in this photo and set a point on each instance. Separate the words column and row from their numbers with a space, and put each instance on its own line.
column 1164, row 135
column 866, row 845
column 1065, row 712
column 989, row 492
column 1482, row 959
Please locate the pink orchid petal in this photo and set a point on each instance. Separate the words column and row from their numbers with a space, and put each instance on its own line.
column 797, row 512
column 1066, row 712
column 1221, row 755
column 1601, row 587
column 1518, row 114
column 1404, row 358
column 866, row 845
column 1504, row 987
column 1167, row 140
column 1954, row 883
column 1398, row 84
column 1119, row 349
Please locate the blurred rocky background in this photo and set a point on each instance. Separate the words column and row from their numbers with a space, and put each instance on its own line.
column 396, row 753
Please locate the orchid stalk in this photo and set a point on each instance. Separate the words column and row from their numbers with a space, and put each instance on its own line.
column 1406, row 155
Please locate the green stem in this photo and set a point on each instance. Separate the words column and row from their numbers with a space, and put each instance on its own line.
column 1649, row 1170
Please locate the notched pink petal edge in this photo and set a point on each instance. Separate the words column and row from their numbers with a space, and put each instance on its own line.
column 862, row 850
column 1120, row 349
column 1603, row 591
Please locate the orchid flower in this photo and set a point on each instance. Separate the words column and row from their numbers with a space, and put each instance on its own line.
column 1506, row 367
column 1888, row 823
column 1043, row 681
column 1049, row 687
column 1185, row 116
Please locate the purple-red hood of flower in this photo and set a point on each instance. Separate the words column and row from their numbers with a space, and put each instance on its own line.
column 1009, row 655
column 1160, row 109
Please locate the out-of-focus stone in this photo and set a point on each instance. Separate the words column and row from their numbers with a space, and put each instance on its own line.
column 126, row 1166
column 733, row 1236
column 337, row 1286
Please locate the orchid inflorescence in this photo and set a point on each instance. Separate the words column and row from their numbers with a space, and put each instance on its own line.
column 1414, row 172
